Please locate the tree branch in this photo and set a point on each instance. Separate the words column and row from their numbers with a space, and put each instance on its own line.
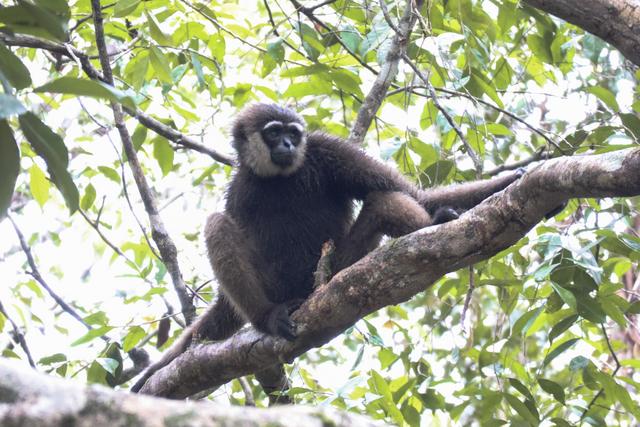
column 18, row 336
column 477, row 162
column 402, row 268
column 166, row 246
column 144, row 119
column 35, row 273
column 29, row 399
column 387, row 74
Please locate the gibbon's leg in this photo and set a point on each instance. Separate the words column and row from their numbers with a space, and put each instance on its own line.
column 467, row 195
column 274, row 380
column 389, row 213
column 219, row 322
column 233, row 259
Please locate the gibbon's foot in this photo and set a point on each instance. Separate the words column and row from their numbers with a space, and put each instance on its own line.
column 520, row 172
column 277, row 322
column 444, row 214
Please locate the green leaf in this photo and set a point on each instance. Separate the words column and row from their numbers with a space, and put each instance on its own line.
column 566, row 295
column 110, row 173
column 631, row 124
column 197, row 67
column 96, row 374
column 614, row 312
column 562, row 326
column 386, row 357
column 13, row 68
column 429, row 115
column 634, row 308
column 276, row 51
column 54, row 358
column 84, row 87
column 136, row 69
column 515, row 383
column 125, row 7
column 578, row 363
column 540, row 48
column 521, row 409
column 525, row 321
column 10, row 106
column 590, row 308
column 32, row 19
column 138, row 137
column 88, row 198
column 160, row 64
column 479, row 85
column 559, row 350
column 48, row 145
column 9, row 166
column 163, row 153
column 91, row 335
column 217, row 46
column 552, row 388
column 39, row 185
column 605, row 95
column 156, row 32
column 98, row 318
column 136, row 333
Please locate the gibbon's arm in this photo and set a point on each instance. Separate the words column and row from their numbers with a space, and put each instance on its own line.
column 353, row 171
column 358, row 175
column 466, row 195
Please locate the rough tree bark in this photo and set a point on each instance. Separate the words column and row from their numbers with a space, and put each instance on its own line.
column 29, row 399
column 614, row 21
column 403, row 267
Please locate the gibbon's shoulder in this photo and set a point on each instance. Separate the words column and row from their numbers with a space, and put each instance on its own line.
column 323, row 145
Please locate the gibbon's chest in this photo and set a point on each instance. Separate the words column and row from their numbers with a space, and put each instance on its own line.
column 293, row 215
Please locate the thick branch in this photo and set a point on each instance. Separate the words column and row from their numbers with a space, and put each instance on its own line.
column 402, row 268
column 29, row 399
column 614, row 21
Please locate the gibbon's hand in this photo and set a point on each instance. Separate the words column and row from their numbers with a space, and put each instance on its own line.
column 444, row 214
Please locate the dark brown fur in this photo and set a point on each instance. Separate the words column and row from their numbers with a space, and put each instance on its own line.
column 265, row 247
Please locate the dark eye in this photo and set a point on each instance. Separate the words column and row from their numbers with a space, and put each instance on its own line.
column 294, row 132
column 272, row 133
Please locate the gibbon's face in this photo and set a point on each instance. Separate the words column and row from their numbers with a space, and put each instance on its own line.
column 283, row 140
column 270, row 140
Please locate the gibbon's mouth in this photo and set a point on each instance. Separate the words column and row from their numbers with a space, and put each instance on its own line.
column 282, row 159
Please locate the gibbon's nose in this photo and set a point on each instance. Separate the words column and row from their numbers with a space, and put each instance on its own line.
column 283, row 153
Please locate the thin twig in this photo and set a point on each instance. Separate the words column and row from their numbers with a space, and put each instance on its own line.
column 177, row 137
column 95, row 225
column 467, row 299
column 221, row 27
column 87, row 18
column 434, row 97
column 308, row 12
column 35, row 273
column 613, row 374
column 159, row 233
column 479, row 101
column 19, row 336
column 144, row 119
column 127, row 198
column 275, row 29
column 538, row 155
column 249, row 400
